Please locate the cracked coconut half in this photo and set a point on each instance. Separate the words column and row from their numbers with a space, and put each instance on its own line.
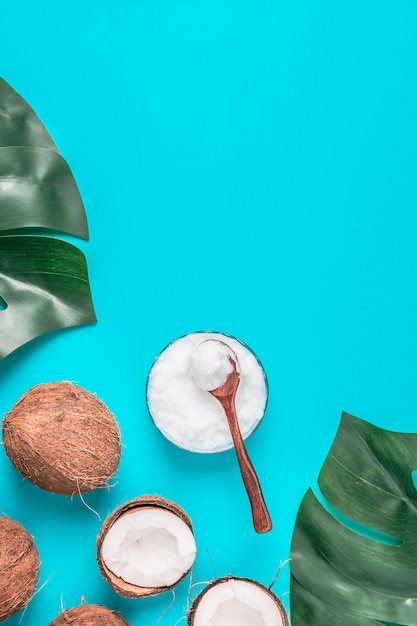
column 232, row 601
column 146, row 547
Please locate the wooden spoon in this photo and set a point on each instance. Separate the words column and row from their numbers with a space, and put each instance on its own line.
column 225, row 394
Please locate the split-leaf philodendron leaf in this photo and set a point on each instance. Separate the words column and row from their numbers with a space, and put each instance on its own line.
column 354, row 547
column 44, row 282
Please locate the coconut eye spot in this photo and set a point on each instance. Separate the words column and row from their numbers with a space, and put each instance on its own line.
column 149, row 548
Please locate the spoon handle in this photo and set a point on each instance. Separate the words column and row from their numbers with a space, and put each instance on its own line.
column 260, row 515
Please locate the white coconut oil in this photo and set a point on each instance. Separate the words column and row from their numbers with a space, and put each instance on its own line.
column 178, row 398
column 211, row 364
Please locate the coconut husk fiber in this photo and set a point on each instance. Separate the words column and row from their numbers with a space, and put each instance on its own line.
column 62, row 438
column 89, row 615
column 19, row 567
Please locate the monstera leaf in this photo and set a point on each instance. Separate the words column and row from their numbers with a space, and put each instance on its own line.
column 44, row 282
column 354, row 546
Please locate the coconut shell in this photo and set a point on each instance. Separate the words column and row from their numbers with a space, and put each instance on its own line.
column 119, row 585
column 89, row 615
column 19, row 567
column 62, row 438
column 194, row 606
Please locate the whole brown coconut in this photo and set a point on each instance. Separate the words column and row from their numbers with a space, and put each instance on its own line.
column 89, row 615
column 62, row 438
column 19, row 567
column 147, row 502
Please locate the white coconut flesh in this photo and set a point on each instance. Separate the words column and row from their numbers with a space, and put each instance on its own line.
column 149, row 547
column 177, row 396
column 237, row 603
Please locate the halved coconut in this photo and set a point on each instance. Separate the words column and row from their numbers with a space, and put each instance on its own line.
column 62, row 438
column 19, row 567
column 232, row 601
column 146, row 547
column 89, row 615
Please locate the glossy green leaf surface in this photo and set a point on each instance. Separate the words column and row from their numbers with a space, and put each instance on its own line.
column 19, row 124
column 44, row 282
column 354, row 547
column 37, row 189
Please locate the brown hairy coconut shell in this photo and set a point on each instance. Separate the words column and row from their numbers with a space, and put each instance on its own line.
column 62, row 438
column 192, row 617
column 89, row 615
column 119, row 585
column 19, row 567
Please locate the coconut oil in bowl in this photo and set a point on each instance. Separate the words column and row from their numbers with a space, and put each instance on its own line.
column 180, row 406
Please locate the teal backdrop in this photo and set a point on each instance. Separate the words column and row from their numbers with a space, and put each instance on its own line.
column 248, row 167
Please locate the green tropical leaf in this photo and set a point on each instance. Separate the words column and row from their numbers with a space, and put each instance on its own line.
column 44, row 282
column 19, row 124
column 354, row 546
column 37, row 189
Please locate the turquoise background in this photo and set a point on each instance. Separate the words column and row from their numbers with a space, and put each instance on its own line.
column 248, row 167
